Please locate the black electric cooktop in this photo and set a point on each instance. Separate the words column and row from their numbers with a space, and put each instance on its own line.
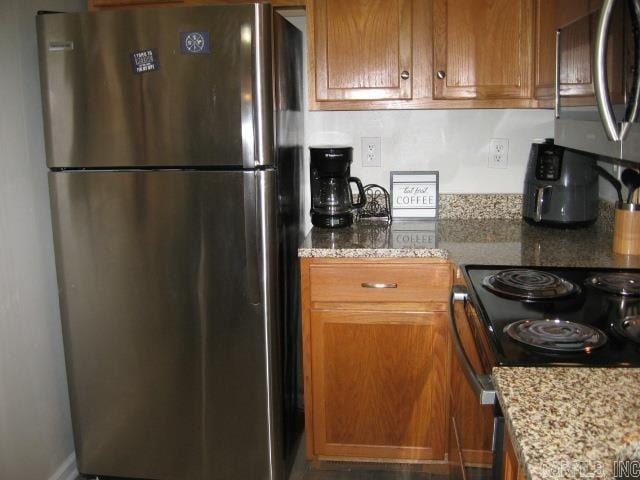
column 590, row 315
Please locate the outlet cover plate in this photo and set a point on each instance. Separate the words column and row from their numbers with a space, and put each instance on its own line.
column 371, row 151
column 499, row 153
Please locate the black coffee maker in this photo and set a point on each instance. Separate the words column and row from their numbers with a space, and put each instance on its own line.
column 331, row 197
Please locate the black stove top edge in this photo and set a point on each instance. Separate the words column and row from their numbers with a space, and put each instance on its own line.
column 566, row 363
column 568, row 359
column 478, row 266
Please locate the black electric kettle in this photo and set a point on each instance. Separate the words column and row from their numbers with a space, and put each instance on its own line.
column 331, row 198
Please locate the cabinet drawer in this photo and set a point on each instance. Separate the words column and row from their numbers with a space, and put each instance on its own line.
column 380, row 283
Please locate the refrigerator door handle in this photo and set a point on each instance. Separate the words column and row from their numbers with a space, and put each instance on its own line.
column 268, row 260
column 251, row 240
column 260, row 139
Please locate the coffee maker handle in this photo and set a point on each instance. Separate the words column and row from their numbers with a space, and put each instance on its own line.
column 361, row 195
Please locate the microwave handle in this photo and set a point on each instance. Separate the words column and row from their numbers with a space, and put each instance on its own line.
column 600, row 80
column 482, row 385
column 633, row 102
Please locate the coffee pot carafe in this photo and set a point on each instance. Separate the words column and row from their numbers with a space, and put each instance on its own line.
column 331, row 198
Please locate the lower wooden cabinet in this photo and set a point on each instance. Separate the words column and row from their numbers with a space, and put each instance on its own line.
column 376, row 368
column 512, row 468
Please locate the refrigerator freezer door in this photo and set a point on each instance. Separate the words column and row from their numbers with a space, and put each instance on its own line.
column 167, row 299
column 157, row 87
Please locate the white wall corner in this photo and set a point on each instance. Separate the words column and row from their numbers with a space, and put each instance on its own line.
column 68, row 470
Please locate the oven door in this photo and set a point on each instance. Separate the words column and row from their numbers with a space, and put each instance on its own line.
column 597, row 77
column 476, row 422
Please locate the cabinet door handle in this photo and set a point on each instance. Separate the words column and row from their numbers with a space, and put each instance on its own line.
column 404, row 75
column 379, row 285
column 441, row 74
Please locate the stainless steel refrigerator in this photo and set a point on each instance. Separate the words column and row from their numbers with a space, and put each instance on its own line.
column 173, row 140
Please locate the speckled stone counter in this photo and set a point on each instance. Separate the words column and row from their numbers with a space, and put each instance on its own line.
column 571, row 423
column 488, row 242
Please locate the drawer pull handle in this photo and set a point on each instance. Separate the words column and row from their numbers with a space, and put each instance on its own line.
column 379, row 285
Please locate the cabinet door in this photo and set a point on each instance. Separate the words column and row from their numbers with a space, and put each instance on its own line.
column 360, row 50
column 379, row 384
column 512, row 470
column 483, row 49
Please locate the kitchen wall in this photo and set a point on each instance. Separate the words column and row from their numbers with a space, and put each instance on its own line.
column 35, row 428
column 453, row 142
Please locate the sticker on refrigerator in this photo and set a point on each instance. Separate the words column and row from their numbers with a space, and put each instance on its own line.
column 195, row 43
column 145, row 61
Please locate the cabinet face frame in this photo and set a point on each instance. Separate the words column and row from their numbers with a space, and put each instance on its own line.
column 430, row 313
column 545, row 55
column 444, row 90
column 319, row 22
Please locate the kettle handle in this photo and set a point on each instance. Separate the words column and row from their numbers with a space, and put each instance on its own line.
column 361, row 195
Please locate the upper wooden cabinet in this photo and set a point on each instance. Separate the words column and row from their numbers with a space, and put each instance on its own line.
column 577, row 21
column 361, row 50
column 377, row 54
column 483, row 49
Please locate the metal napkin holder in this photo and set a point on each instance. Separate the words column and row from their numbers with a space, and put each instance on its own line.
column 378, row 206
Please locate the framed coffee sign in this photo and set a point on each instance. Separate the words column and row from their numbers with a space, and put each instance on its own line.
column 414, row 195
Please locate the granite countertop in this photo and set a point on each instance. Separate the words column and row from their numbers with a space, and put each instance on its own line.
column 571, row 422
column 472, row 241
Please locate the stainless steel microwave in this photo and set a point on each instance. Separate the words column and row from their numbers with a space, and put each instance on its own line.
column 597, row 88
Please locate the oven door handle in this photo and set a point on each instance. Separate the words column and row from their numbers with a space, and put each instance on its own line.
column 600, row 80
column 482, row 385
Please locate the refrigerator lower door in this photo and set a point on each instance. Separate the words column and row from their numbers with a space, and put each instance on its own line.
column 167, row 300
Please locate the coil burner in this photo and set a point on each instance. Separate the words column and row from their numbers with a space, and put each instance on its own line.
column 557, row 335
column 529, row 285
column 619, row 283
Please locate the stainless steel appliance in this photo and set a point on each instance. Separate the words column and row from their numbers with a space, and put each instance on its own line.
column 560, row 187
column 542, row 316
column 332, row 204
column 174, row 174
column 598, row 80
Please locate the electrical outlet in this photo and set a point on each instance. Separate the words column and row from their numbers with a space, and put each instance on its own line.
column 499, row 153
column 371, row 152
